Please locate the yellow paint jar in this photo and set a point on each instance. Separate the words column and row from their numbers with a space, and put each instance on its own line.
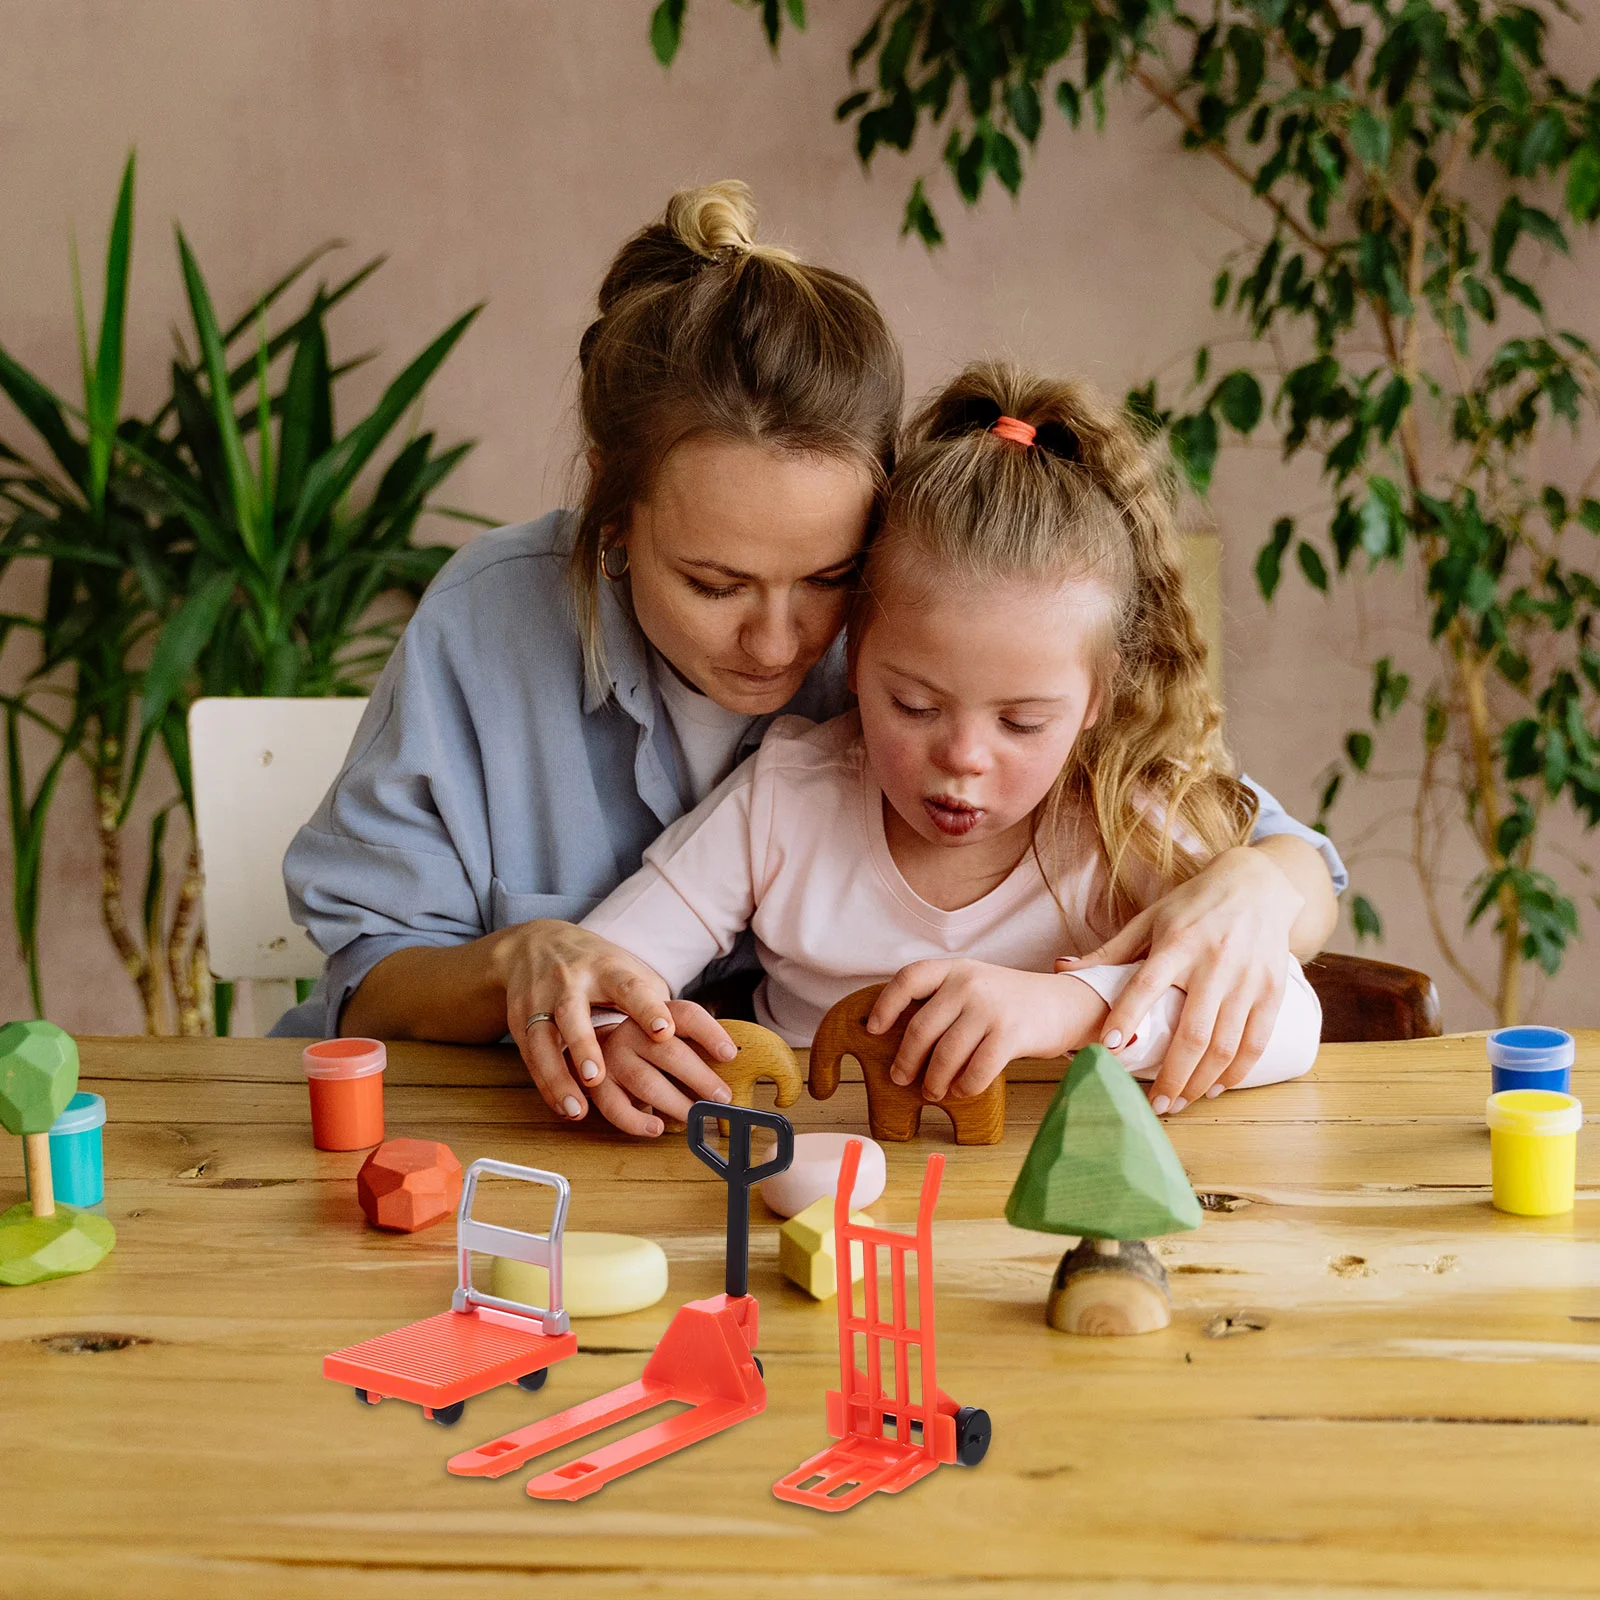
column 1533, row 1150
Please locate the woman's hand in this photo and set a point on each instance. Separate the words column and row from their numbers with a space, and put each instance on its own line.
column 977, row 1017
column 1222, row 937
column 640, row 1067
column 562, row 969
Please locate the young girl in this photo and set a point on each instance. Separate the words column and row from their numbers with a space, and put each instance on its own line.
column 1035, row 759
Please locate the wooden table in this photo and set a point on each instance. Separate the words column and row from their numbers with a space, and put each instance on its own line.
column 1372, row 1378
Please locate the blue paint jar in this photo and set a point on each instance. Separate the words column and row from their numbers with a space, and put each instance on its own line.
column 77, row 1169
column 1531, row 1058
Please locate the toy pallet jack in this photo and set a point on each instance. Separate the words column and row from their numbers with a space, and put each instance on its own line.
column 705, row 1359
column 926, row 1434
column 481, row 1340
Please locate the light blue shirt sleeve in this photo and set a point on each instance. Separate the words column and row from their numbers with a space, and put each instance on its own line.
column 1272, row 819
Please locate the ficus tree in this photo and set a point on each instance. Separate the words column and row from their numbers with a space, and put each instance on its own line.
column 1414, row 167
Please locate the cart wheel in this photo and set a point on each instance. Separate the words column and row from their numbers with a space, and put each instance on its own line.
column 533, row 1380
column 446, row 1415
column 973, row 1430
column 761, row 1371
column 364, row 1397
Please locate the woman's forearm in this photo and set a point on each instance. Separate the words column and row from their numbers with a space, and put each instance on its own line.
column 1301, row 864
column 453, row 993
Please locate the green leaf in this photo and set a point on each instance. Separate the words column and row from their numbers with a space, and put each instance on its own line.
column 797, row 13
column 1022, row 101
column 920, row 219
column 1219, row 289
column 244, row 495
column 1238, row 398
column 1583, row 184
column 45, row 412
column 1358, row 746
column 1194, row 442
column 1342, row 53
column 1269, row 563
column 1369, row 139
column 1311, row 564
column 1067, row 98
column 666, row 30
column 185, row 635
column 105, row 393
column 1364, row 918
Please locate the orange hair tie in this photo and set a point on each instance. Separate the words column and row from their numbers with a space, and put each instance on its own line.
column 1014, row 429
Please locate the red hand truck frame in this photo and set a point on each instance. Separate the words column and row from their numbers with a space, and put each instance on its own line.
column 926, row 1433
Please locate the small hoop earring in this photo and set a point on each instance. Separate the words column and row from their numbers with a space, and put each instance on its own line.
column 607, row 567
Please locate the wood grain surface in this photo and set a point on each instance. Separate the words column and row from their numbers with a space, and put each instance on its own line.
column 1372, row 1381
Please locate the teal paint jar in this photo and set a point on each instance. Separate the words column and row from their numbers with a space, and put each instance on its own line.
column 77, row 1167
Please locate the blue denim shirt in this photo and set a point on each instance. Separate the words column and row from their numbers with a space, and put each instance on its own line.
column 486, row 786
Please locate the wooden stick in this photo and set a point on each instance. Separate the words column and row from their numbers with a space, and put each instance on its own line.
column 1109, row 1287
column 40, row 1189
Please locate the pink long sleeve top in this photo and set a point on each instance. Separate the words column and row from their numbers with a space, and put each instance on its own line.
column 791, row 845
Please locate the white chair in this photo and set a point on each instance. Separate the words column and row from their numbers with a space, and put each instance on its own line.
column 261, row 767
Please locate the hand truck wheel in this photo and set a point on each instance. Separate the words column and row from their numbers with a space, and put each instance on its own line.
column 446, row 1416
column 973, row 1431
column 532, row 1381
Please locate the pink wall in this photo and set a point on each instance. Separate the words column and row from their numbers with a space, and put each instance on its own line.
column 500, row 151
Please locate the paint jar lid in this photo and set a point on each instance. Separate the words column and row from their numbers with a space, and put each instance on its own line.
column 344, row 1058
column 1531, row 1049
column 1537, row 1111
column 84, row 1111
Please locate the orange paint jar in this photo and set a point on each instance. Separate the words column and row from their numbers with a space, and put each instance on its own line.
column 345, row 1078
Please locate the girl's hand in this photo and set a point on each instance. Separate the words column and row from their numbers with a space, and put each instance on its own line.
column 640, row 1067
column 1222, row 937
column 976, row 1018
column 562, row 969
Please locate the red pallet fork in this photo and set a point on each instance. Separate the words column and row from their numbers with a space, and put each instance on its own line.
column 706, row 1359
column 482, row 1340
column 925, row 1434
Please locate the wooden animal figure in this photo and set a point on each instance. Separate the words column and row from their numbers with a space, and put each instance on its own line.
column 762, row 1057
column 894, row 1111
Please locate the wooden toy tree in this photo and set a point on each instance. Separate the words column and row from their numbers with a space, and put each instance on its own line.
column 1101, row 1167
column 38, row 1076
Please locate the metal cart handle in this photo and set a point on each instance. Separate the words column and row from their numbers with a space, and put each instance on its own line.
column 539, row 1249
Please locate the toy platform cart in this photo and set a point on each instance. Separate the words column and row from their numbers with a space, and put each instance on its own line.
column 482, row 1340
column 887, row 1440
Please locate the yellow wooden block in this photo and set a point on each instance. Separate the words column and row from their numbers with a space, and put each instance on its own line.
column 602, row 1275
column 806, row 1253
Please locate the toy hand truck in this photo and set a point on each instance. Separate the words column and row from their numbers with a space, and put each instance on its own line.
column 481, row 1340
column 925, row 1434
column 705, row 1358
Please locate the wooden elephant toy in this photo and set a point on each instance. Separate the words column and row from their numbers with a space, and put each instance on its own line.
column 894, row 1111
column 762, row 1057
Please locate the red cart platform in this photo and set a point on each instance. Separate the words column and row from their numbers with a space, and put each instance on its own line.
column 482, row 1340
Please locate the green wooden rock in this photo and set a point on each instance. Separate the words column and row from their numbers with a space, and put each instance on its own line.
column 38, row 1075
column 35, row 1248
column 1101, row 1165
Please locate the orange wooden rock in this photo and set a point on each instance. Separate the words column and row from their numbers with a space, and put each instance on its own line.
column 407, row 1184
column 894, row 1111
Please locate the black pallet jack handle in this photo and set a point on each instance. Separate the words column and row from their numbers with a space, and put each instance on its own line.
column 738, row 1172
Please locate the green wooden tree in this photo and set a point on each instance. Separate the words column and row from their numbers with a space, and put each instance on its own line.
column 1102, row 1168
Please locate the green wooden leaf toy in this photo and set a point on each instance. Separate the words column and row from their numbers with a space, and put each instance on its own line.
column 1101, row 1165
column 38, row 1075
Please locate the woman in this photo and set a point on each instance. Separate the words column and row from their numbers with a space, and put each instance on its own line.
column 569, row 687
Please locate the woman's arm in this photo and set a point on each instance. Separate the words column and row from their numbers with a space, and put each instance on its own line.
column 1221, row 937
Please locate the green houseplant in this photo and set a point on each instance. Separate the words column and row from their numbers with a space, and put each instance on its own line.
column 222, row 546
column 1413, row 169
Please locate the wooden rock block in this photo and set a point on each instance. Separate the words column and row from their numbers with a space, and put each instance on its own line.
column 409, row 1184
column 33, row 1248
column 602, row 1275
column 894, row 1111
column 806, row 1253
column 1101, row 1165
column 1104, row 1287
column 814, row 1174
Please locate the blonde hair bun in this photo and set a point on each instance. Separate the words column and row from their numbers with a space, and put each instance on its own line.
column 719, row 217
